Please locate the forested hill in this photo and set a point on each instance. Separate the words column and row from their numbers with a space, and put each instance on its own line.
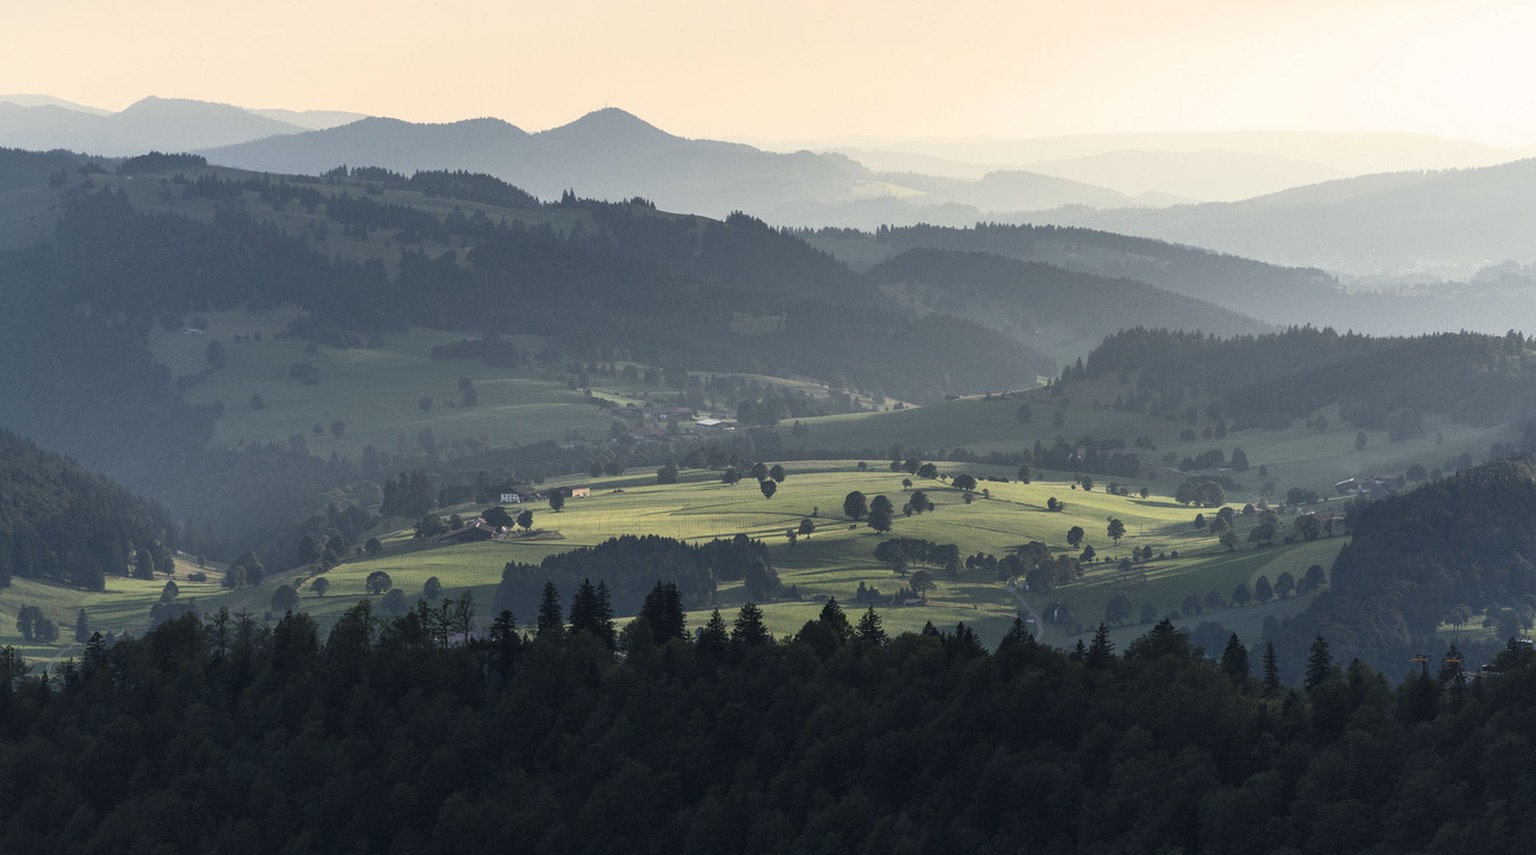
column 1030, row 294
column 232, row 736
column 1269, row 292
column 1469, row 539
column 61, row 522
column 1389, row 383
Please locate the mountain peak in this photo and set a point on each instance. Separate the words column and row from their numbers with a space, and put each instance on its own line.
column 611, row 122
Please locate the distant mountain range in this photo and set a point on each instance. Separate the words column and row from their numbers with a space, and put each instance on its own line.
column 1446, row 223
column 1406, row 223
column 166, row 124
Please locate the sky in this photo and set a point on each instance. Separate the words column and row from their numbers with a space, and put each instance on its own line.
column 794, row 69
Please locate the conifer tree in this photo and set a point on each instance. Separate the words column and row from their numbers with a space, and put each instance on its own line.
column 749, row 630
column 1319, row 663
column 1234, row 661
column 663, row 611
column 871, row 628
column 550, row 621
column 1271, row 684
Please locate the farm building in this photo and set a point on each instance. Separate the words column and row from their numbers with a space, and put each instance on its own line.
column 477, row 529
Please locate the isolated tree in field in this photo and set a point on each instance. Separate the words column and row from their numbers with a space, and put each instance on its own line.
column 1199, row 521
column 855, row 506
column 921, row 583
column 920, row 502
column 1262, row 590
column 1054, row 505
column 1075, row 536
column 82, row 627
column 927, row 470
column 1117, row 610
column 1228, row 539
column 525, row 519
column 170, row 592
column 1086, row 483
column 906, row 484
column 881, row 503
column 1315, row 578
column 759, row 471
column 1239, row 460
column 1360, row 441
column 1115, row 530
column 320, row 586
column 424, row 403
column 378, row 582
column 1241, row 595
column 667, row 474
column 1088, row 554
column 769, row 487
column 432, row 589
column 807, row 527
column 556, row 500
column 1285, row 584
column 285, row 599
column 1024, row 473
column 730, row 475
column 777, row 473
column 880, row 520
column 964, row 481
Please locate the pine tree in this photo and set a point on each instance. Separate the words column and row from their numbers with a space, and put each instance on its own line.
column 1018, row 636
column 832, row 616
column 1102, row 651
column 83, row 627
column 749, row 630
column 1271, row 671
column 663, row 611
column 713, row 638
column 1234, row 661
column 550, row 621
column 1319, row 663
column 871, row 629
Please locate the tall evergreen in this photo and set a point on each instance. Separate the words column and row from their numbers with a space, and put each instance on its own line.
column 1272, row 683
column 1234, row 661
column 871, row 629
column 550, row 621
column 749, row 629
column 663, row 611
column 1319, row 663
column 1101, row 653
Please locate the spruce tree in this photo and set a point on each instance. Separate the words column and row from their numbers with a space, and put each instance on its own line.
column 749, row 630
column 1102, row 651
column 871, row 629
column 663, row 610
column 714, row 637
column 1319, row 663
column 550, row 621
column 1234, row 661
column 1271, row 671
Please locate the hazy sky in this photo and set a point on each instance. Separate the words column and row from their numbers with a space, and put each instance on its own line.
column 799, row 69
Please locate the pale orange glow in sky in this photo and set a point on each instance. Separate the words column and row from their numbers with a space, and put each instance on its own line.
column 797, row 69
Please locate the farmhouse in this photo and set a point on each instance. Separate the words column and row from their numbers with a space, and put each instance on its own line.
column 580, row 492
column 477, row 529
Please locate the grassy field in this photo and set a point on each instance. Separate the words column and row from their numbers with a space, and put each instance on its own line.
column 376, row 391
column 1295, row 457
column 831, row 562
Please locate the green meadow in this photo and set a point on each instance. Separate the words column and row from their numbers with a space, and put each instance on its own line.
column 831, row 562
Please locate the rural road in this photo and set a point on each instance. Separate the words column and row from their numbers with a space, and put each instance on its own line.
column 1034, row 616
